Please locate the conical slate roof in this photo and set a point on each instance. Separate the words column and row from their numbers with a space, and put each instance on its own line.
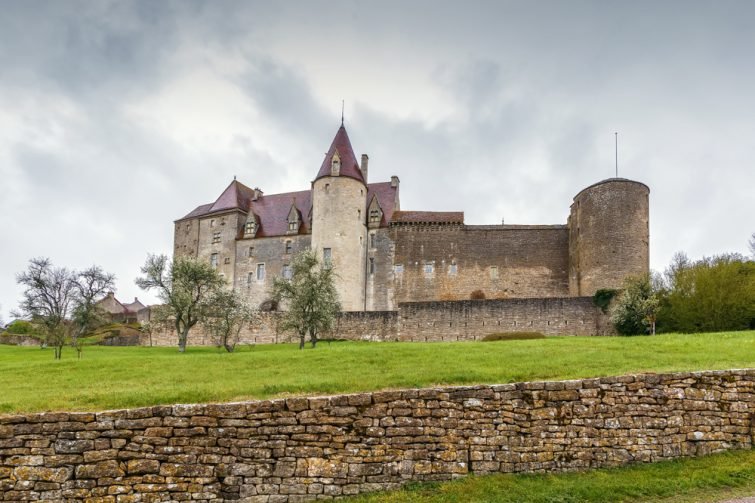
column 349, row 164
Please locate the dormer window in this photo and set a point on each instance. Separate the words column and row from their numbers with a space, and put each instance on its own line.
column 294, row 219
column 374, row 213
column 251, row 226
column 335, row 165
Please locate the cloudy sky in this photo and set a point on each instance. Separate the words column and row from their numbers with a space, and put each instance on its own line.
column 117, row 118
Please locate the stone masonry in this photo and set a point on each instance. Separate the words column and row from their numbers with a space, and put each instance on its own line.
column 305, row 448
column 447, row 321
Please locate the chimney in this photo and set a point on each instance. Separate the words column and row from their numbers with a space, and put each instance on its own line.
column 394, row 181
column 257, row 193
column 363, row 167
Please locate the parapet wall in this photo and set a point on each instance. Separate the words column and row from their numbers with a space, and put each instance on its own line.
column 467, row 320
column 305, row 448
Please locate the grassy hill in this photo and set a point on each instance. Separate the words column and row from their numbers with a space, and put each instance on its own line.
column 120, row 377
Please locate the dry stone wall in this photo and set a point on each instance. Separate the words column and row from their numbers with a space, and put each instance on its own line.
column 298, row 449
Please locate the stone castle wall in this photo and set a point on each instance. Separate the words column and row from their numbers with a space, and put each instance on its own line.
column 434, row 322
column 449, row 262
column 298, row 449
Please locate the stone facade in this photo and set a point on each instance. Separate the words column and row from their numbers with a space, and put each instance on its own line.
column 306, row 448
column 385, row 256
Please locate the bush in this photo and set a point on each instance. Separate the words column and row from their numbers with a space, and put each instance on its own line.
column 636, row 307
column 513, row 336
column 477, row 295
column 21, row 327
column 603, row 298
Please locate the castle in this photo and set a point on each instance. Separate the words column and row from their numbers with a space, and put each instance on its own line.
column 385, row 256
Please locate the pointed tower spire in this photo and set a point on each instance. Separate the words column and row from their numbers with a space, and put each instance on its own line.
column 345, row 155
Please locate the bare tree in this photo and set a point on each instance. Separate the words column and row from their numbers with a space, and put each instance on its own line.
column 226, row 314
column 47, row 299
column 751, row 244
column 183, row 286
column 310, row 296
column 90, row 284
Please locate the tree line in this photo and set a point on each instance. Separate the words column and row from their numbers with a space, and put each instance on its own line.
column 707, row 295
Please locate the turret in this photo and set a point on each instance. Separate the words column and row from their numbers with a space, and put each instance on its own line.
column 339, row 230
column 608, row 235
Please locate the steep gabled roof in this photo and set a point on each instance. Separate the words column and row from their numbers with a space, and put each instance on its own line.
column 349, row 164
column 235, row 196
column 386, row 196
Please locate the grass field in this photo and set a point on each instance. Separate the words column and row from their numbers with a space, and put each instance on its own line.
column 702, row 480
column 110, row 377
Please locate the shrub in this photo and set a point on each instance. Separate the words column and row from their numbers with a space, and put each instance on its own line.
column 477, row 295
column 603, row 298
column 513, row 336
column 21, row 327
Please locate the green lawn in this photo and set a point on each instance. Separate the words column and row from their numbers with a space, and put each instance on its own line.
column 109, row 377
column 712, row 478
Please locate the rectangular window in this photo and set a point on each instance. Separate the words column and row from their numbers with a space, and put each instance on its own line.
column 327, row 256
column 260, row 272
column 250, row 253
column 227, row 260
column 452, row 269
column 216, row 237
column 398, row 268
column 372, row 265
column 249, row 228
column 214, row 260
column 286, row 272
column 494, row 272
column 288, row 247
column 429, row 268
column 372, row 240
column 249, row 278
column 375, row 216
column 212, row 223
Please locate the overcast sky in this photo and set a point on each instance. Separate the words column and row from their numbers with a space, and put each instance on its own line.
column 117, row 118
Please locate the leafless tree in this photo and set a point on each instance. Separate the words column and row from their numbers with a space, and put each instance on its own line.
column 47, row 298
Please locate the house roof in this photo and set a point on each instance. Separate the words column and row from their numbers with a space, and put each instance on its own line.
column 135, row 306
column 349, row 164
column 422, row 217
column 235, row 196
column 272, row 210
column 386, row 196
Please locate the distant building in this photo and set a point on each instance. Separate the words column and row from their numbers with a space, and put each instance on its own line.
column 134, row 312
column 385, row 256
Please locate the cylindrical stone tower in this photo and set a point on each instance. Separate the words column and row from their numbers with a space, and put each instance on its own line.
column 608, row 235
column 339, row 230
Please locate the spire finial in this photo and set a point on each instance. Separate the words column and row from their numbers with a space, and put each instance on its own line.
column 342, row 106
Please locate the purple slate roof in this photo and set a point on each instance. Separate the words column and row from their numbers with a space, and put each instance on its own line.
column 439, row 217
column 349, row 164
column 272, row 210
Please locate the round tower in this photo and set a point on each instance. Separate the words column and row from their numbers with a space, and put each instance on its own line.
column 608, row 235
column 339, row 230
